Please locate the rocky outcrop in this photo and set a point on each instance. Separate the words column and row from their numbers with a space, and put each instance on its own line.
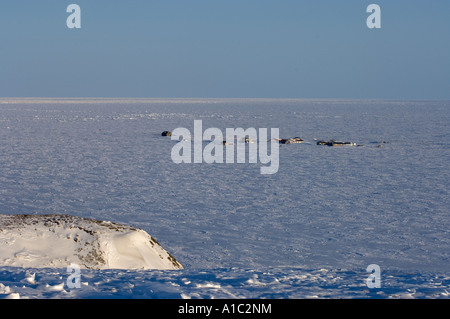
column 59, row 240
column 335, row 143
column 292, row 140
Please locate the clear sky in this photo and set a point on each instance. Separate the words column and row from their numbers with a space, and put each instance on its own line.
column 226, row 48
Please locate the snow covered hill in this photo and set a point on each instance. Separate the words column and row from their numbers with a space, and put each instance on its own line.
column 60, row 240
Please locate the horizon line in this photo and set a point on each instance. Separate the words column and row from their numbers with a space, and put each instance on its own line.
column 104, row 99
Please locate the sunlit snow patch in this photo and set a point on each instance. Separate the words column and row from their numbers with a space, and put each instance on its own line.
column 60, row 240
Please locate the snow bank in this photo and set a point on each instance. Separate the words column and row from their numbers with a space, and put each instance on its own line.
column 41, row 241
column 221, row 283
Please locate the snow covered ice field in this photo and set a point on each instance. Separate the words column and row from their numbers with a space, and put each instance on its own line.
column 308, row 231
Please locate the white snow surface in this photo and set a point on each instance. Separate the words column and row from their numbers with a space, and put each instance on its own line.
column 308, row 231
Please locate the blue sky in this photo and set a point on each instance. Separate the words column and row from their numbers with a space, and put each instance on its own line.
column 211, row 48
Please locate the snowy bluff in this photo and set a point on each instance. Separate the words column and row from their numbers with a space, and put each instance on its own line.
column 59, row 240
